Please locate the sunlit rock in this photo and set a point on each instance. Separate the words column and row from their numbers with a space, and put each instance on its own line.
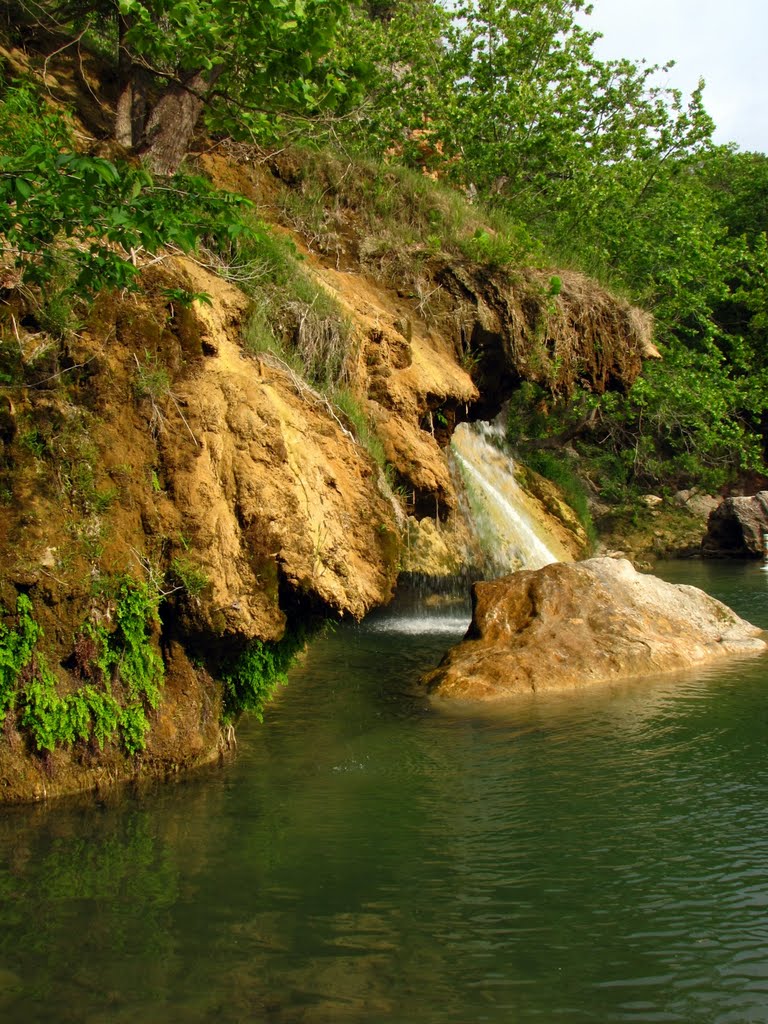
column 567, row 626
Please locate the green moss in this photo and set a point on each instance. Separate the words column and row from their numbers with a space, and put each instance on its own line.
column 125, row 657
column 557, row 468
column 253, row 675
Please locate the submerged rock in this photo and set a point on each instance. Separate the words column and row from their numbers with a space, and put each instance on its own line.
column 567, row 626
column 735, row 528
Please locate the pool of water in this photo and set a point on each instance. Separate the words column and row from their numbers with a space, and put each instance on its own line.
column 367, row 859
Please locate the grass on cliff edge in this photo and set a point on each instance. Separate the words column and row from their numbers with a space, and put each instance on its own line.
column 396, row 214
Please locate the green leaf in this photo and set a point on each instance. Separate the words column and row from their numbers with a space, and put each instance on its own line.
column 23, row 188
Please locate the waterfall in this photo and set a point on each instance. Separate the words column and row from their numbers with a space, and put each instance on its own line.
column 509, row 524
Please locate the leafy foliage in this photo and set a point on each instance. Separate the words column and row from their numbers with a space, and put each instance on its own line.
column 16, row 651
column 253, row 675
column 248, row 63
column 222, row 37
column 66, row 215
column 138, row 664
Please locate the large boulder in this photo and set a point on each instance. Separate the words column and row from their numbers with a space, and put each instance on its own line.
column 735, row 528
column 570, row 625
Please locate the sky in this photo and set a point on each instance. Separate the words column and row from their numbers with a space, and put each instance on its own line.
column 726, row 43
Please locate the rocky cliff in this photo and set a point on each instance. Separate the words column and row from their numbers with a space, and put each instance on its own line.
column 178, row 505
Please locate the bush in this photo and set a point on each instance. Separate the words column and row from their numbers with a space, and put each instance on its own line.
column 189, row 576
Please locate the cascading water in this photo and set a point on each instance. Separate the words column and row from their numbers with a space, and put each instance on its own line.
column 507, row 522
column 416, row 614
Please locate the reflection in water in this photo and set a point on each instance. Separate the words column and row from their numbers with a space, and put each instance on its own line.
column 598, row 858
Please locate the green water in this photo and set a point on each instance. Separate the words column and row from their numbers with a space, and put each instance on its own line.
column 366, row 859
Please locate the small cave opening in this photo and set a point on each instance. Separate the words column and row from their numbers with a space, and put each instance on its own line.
column 491, row 373
column 420, row 502
column 725, row 539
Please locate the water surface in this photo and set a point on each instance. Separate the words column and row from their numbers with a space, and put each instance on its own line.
column 600, row 857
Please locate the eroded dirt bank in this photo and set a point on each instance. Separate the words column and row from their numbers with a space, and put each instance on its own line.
column 177, row 507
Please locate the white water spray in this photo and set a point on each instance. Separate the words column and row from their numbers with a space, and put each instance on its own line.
column 507, row 521
column 510, row 527
column 424, row 623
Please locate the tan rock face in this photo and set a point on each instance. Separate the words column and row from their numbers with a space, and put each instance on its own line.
column 567, row 626
column 276, row 492
column 173, row 455
column 273, row 490
column 412, row 383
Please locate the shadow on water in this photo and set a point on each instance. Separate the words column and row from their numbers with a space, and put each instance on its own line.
column 366, row 858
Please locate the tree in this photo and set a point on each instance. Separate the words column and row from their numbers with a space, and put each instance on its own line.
column 535, row 113
column 74, row 222
column 244, row 61
column 405, row 79
column 516, row 97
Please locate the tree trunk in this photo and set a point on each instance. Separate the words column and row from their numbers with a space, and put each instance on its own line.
column 124, row 109
column 171, row 124
column 131, row 109
column 123, row 132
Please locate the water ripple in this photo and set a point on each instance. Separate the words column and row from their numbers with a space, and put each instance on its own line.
column 598, row 859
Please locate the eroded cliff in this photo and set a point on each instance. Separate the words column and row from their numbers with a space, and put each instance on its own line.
column 178, row 504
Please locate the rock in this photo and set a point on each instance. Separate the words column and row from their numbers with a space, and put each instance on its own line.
column 735, row 528
column 571, row 625
column 274, row 493
column 439, row 549
column 553, row 510
column 518, row 331
column 697, row 504
column 48, row 558
column 651, row 500
column 412, row 383
column 702, row 505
